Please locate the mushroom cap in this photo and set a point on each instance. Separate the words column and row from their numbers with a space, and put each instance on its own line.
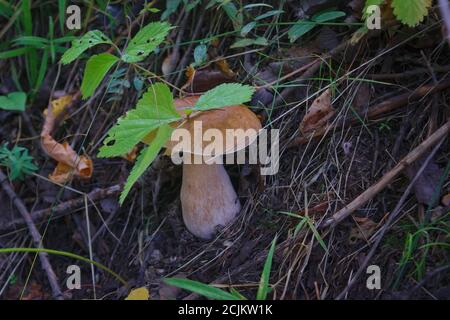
column 237, row 117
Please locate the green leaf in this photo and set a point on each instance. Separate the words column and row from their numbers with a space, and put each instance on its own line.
column 263, row 288
column 189, row 5
column 227, row 94
column 316, row 234
column 242, row 43
column 145, row 41
column 299, row 29
column 261, row 41
column 233, row 14
column 80, row 45
column 247, row 28
column 410, row 12
column 304, row 26
column 327, row 16
column 96, row 68
column 14, row 53
column 238, row 295
column 154, row 109
column 269, row 14
column 18, row 162
column 200, row 288
column 200, row 54
column 171, row 7
column 13, row 101
column 145, row 158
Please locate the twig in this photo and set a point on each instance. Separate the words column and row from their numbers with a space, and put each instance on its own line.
column 187, row 54
column 407, row 74
column 45, row 263
column 377, row 110
column 313, row 67
column 64, row 207
column 445, row 12
column 425, row 279
column 396, row 210
column 388, row 177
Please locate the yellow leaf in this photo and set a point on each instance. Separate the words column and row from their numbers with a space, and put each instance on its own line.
column 138, row 294
column 59, row 105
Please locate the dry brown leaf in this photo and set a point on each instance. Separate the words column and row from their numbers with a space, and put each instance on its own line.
column 169, row 64
column 69, row 162
column 363, row 230
column 131, row 156
column 35, row 292
column 202, row 80
column 446, row 200
column 425, row 186
column 223, row 66
column 318, row 114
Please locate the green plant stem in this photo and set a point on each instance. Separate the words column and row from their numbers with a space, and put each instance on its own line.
column 69, row 255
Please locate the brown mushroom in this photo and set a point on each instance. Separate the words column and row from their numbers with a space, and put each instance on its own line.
column 208, row 198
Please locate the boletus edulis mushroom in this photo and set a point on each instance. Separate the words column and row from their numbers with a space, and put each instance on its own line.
column 208, row 198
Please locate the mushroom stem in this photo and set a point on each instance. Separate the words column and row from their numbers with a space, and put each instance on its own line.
column 208, row 199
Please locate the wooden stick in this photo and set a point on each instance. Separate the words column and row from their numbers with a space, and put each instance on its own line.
column 63, row 208
column 37, row 238
column 371, row 192
column 390, row 220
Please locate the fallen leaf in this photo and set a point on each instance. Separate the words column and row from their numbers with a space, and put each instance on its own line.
column 138, row 294
column 168, row 64
column 362, row 98
column 318, row 114
column 426, row 185
column 202, row 80
column 327, row 39
column 59, row 105
column 446, row 200
column 223, row 66
column 35, row 292
column 319, row 208
column 131, row 156
column 262, row 97
column 364, row 228
column 69, row 162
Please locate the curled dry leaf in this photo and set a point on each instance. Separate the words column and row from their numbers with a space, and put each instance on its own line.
column 318, row 114
column 131, row 156
column 69, row 162
column 363, row 230
column 426, row 185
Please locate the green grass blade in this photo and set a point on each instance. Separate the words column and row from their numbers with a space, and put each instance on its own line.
column 200, row 288
column 263, row 289
column 66, row 254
